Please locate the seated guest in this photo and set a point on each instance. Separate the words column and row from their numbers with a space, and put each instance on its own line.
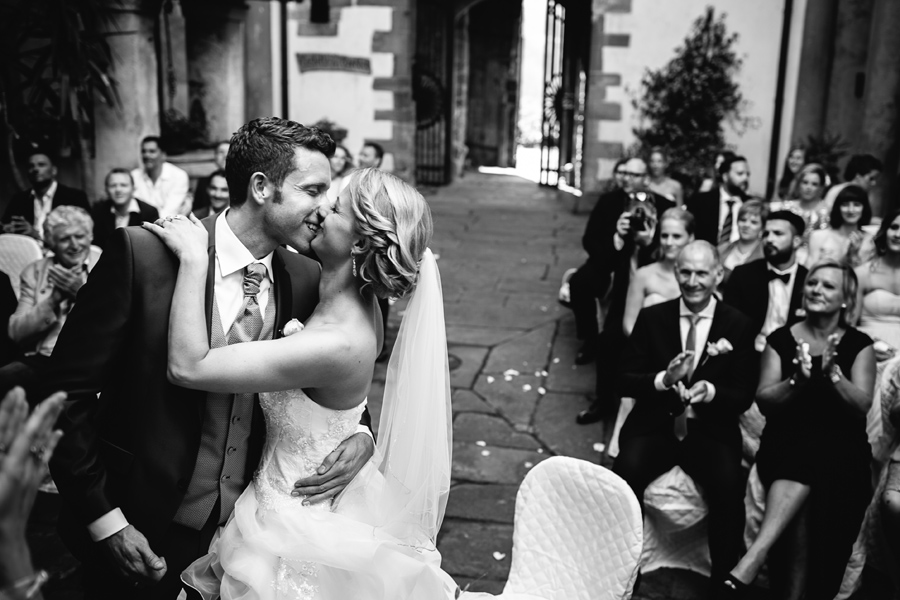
column 370, row 155
column 805, row 199
column 28, row 209
column 794, row 162
column 748, row 247
column 863, row 170
column 660, row 182
column 621, row 235
column 815, row 389
column 716, row 210
column 879, row 288
column 844, row 240
column 687, row 365
column 160, row 183
column 120, row 209
column 49, row 285
column 201, row 195
column 217, row 192
column 656, row 282
column 769, row 290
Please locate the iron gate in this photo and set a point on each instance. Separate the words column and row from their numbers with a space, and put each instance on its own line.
column 553, row 93
column 431, row 77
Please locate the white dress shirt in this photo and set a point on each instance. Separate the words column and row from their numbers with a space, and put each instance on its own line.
column 169, row 194
column 43, row 206
column 701, row 335
column 779, row 304
column 724, row 197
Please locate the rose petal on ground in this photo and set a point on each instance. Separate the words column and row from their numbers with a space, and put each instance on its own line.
column 499, row 555
column 481, row 443
column 598, row 447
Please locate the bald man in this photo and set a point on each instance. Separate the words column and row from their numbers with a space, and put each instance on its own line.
column 691, row 368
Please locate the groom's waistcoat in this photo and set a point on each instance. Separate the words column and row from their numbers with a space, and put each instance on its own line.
column 222, row 459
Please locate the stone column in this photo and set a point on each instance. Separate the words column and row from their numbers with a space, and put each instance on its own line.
column 881, row 121
column 815, row 67
column 118, row 132
column 848, row 69
column 258, row 68
column 173, row 55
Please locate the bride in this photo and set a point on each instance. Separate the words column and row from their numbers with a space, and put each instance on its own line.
column 377, row 539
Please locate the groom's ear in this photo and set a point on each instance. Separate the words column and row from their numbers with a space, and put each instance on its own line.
column 259, row 189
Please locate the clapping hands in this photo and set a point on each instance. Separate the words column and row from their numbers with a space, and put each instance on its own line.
column 66, row 282
column 678, row 368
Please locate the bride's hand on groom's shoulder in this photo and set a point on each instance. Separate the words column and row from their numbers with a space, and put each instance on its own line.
column 186, row 237
column 337, row 470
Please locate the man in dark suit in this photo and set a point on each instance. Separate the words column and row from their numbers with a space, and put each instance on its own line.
column 614, row 250
column 201, row 192
column 217, row 195
column 690, row 366
column 27, row 210
column 715, row 212
column 120, row 208
column 770, row 290
column 149, row 470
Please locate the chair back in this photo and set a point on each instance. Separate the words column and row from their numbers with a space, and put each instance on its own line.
column 17, row 252
column 577, row 534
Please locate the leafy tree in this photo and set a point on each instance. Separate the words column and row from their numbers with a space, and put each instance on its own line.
column 683, row 105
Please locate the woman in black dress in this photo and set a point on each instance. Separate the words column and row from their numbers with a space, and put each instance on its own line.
column 815, row 389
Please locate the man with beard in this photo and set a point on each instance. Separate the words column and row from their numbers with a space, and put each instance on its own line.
column 715, row 212
column 769, row 290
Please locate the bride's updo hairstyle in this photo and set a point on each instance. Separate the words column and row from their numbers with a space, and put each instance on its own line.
column 395, row 223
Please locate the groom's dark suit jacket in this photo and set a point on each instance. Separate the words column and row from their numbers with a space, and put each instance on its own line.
column 748, row 291
column 135, row 446
column 655, row 341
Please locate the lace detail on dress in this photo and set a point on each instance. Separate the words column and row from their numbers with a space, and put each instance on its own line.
column 296, row 580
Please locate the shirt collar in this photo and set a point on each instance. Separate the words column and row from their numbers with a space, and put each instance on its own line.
column 231, row 254
column 50, row 193
column 133, row 207
column 790, row 270
column 707, row 313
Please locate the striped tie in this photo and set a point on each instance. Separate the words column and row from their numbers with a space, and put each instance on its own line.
column 725, row 234
column 690, row 342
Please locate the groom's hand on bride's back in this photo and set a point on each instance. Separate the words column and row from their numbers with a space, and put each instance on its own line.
column 337, row 470
column 130, row 552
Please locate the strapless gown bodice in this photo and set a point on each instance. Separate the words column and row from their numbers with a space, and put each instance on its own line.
column 881, row 316
column 654, row 298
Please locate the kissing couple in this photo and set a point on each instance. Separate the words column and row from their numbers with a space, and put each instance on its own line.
column 216, row 436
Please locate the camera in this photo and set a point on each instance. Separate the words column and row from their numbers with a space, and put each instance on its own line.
column 638, row 220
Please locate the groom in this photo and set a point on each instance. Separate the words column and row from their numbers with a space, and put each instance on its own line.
column 148, row 470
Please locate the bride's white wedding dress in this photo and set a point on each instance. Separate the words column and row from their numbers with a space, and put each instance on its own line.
column 376, row 541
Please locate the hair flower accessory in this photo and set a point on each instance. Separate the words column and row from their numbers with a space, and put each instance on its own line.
column 291, row 327
column 723, row 346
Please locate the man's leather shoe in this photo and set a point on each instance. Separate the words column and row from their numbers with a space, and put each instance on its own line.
column 594, row 414
column 586, row 354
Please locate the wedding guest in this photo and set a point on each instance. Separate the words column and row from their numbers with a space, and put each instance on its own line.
column 712, row 177
column 660, row 182
column 748, row 247
column 845, row 239
column 863, row 170
column 160, row 183
column 201, row 193
column 655, row 283
column 217, row 192
column 686, row 365
column 769, row 290
column 889, row 490
column 28, row 209
column 120, row 208
column 879, row 288
column 621, row 236
column 815, row 389
column 794, row 162
column 341, row 165
column 805, row 199
column 28, row 442
column 617, row 181
column 370, row 155
column 716, row 210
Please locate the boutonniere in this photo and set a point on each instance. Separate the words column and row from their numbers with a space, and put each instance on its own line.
column 291, row 327
column 723, row 346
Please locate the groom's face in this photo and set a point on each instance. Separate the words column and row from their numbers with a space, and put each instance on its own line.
column 290, row 217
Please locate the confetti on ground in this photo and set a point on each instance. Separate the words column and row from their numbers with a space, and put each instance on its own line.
column 555, row 360
column 485, row 452
column 510, row 373
column 507, row 378
column 542, row 391
column 544, row 373
column 481, row 443
column 540, row 450
column 526, row 388
column 543, row 309
column 490, row 379
column 537, row 373
column 528, row 465
column 598, row 447
column 499, row 555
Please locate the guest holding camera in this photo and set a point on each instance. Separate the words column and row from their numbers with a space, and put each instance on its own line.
column 621, row 236
column 815, row 388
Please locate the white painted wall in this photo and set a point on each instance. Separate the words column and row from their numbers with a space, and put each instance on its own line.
column 658, row 27
column 345, row 98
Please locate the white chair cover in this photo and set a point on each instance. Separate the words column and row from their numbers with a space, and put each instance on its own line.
column 577, row 533
column 17, row 252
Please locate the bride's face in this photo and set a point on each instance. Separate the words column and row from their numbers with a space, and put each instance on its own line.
column 338, row 228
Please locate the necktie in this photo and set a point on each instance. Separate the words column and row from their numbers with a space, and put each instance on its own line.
column 690, row 343
column 785, row 277
column 249, row 321
column 727, row 224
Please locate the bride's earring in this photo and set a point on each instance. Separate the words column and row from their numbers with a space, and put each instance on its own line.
column 353, row 258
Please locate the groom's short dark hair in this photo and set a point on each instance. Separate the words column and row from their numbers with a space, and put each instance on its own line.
column 267, row 145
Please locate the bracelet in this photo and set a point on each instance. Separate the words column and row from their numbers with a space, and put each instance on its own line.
column 27, row 587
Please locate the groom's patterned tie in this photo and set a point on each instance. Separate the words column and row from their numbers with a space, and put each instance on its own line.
column 249, row 321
